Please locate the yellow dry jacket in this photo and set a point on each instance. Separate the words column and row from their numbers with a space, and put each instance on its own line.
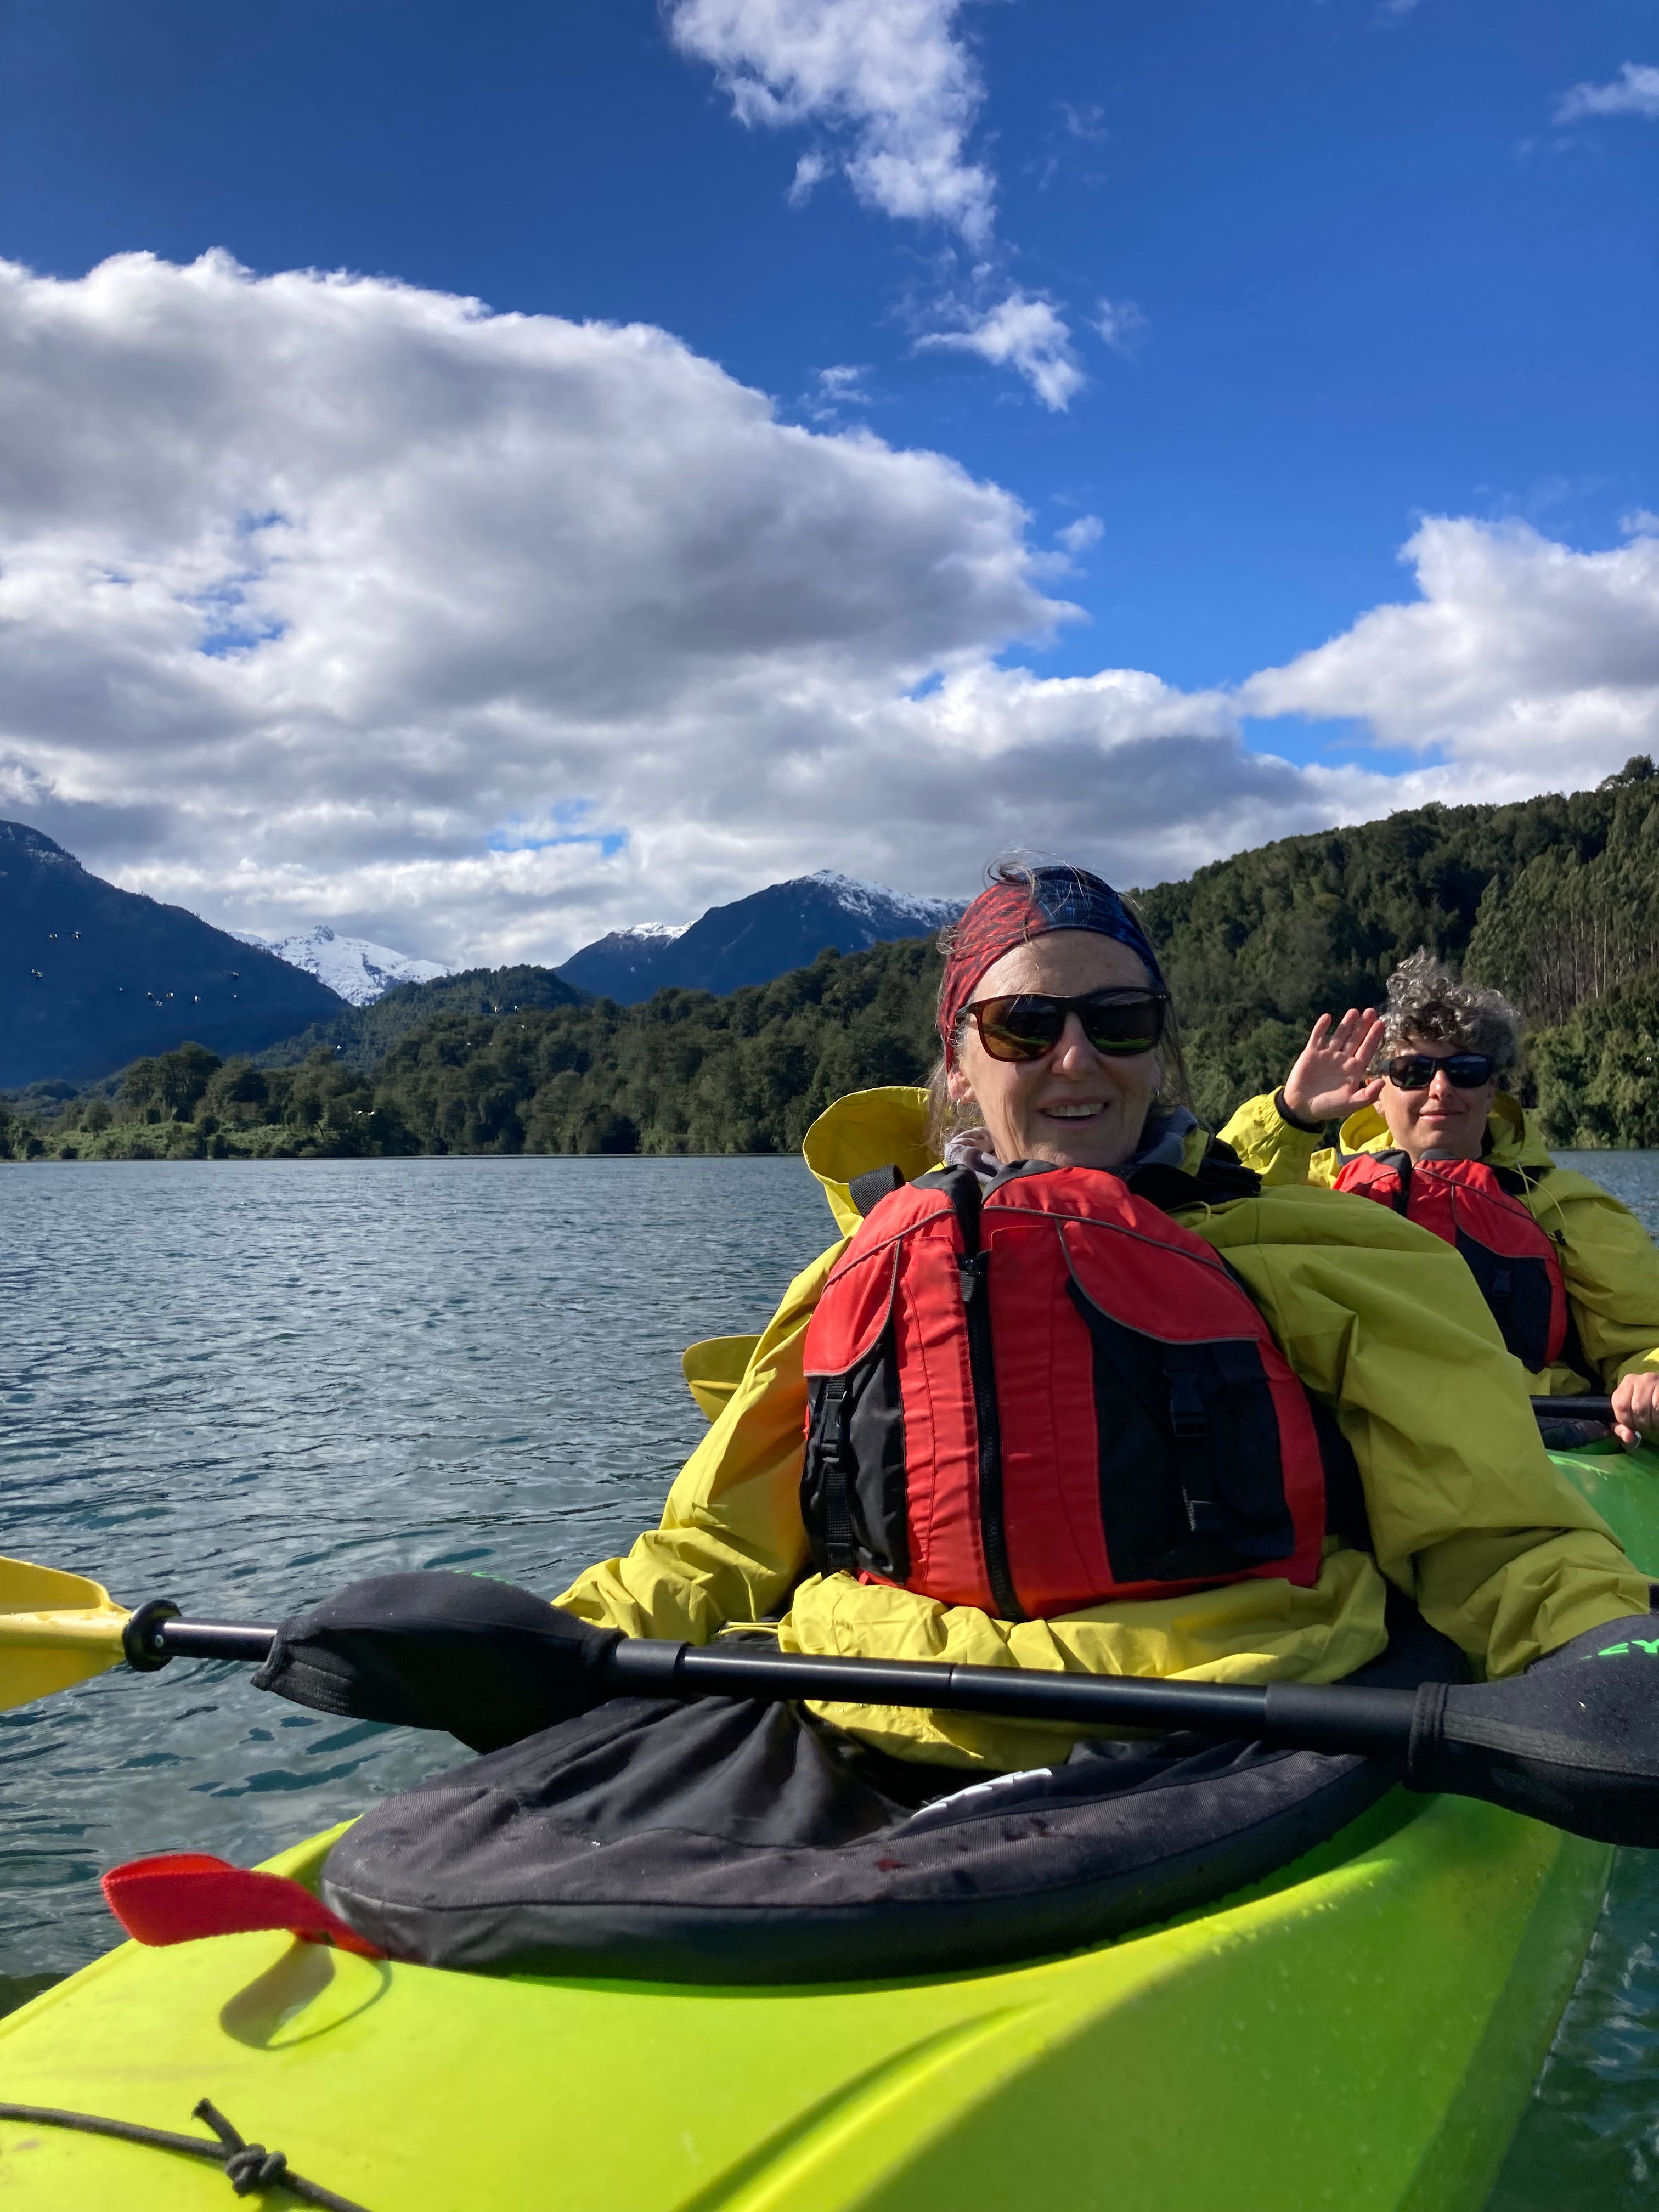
column 1379, row 1318
column 1609, row 1263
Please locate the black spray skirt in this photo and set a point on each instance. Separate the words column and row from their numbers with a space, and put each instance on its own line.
column 732, row 1841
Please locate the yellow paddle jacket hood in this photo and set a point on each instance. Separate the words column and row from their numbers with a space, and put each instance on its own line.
column 1608, row 1262
column 1379, row 1318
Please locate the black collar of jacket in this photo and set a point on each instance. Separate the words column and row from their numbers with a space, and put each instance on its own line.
column 1221, row 1177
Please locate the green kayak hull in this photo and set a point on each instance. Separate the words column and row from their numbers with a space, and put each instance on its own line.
column 1361, row 2031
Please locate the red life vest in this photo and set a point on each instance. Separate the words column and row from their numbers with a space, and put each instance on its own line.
column 1478, row 1208
column 1048, row 1396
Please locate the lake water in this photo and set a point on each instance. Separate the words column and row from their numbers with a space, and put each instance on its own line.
column 240, row 1385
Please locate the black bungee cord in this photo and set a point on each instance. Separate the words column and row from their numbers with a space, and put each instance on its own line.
column 250, row 2168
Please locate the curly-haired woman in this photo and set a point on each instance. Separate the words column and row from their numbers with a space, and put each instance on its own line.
column 1570, row 1275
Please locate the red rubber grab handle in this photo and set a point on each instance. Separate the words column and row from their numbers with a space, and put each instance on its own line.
column 180, row 1896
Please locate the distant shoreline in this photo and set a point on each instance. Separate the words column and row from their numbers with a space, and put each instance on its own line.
column 409, row 1159
column 390, row 1160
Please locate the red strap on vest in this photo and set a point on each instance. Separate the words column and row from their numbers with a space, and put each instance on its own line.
column 180, row 1896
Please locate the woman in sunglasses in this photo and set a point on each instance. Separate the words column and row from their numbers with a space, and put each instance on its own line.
column 1071, row 1390
column 1570, row 1276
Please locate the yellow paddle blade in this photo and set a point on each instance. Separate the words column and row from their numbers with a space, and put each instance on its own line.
column 55, row 1630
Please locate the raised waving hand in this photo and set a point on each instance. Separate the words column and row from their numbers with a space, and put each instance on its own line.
column 1329, row 1080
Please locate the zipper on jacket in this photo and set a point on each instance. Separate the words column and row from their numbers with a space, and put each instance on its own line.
column 994, row 1535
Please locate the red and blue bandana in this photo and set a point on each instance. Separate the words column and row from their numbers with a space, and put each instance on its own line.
column 1008, row 914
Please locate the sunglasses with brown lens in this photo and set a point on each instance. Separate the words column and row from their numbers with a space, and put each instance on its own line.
column 1118, row 1024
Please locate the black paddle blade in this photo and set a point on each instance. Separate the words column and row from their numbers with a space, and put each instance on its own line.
column 1574, row 1741
column 490, row 1662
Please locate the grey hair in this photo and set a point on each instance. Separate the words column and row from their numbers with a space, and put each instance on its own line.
column 1424, row 1001
column 948, row 1117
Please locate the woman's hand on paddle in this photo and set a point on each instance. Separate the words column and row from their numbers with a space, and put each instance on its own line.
column 1636, row 1409
column 1329, row 1081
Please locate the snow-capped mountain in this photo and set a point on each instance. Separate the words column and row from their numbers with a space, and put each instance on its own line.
column 359, row 971
column 755, row 939
column 646, row 938
column 877, row 904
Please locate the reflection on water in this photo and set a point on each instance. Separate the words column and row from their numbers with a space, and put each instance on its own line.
column 240, row 1385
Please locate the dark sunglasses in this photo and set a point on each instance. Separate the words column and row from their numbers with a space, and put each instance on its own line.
column 1415, row 1071
column 1118, row 1024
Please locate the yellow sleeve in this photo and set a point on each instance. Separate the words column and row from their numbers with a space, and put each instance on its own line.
column 1280, row 1153
column 730, row 1545
column 1468, row 1513
column 1611, row 1266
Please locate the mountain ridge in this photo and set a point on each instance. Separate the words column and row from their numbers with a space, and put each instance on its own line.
column 755, row 939
column 92, row 976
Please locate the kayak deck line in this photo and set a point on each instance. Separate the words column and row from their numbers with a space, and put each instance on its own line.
column 250, row 2168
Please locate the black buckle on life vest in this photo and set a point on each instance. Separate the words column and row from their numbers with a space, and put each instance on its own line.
column 832, row 1455
column 1190, row 1421
column 837, row 1504
column 1186, row 1415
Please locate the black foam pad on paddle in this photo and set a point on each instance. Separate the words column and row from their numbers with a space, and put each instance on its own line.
column 1575, row 1741
column 488, row 1662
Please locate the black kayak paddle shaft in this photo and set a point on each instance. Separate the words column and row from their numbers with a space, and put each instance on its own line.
column 1326, row 1716
column 1329, row 1716
column 155, row 1634
column 1573, row 1409
column 209, row 1639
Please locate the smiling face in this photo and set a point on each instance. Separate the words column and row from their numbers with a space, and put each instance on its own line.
column 1074, row 1107
column 1441, row 1118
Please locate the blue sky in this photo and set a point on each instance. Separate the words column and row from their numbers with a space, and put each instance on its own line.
column 1359, row 265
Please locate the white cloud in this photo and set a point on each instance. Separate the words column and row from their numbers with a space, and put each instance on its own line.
column 1524, row 664
column 889, row 77
column 844, row 382
column 812, row 169
column 834, row 393
column 1078, row 536
column 1644, row 523
column 333, row 599
column 1634, row 91
column 1088, row 124
column 1120, row 322
column 1025, row 332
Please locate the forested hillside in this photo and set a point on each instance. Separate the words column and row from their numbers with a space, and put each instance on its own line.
column 362, row 1036
column 1556, row 899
